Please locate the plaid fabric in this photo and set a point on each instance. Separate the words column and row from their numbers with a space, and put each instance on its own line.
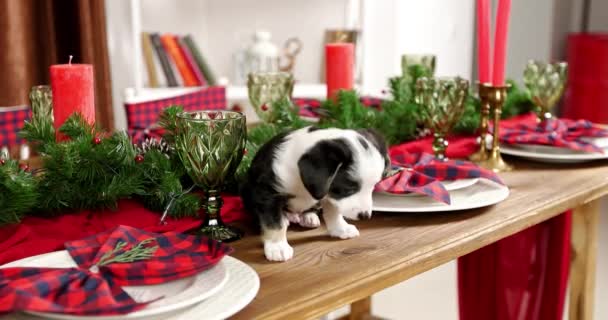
column 308, row 107
column 421, row 173
column 11, row 122
column 94, row 290
column 144, row 115
column 564, row 133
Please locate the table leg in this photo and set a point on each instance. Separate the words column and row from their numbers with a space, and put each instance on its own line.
column 585, row 221
column 361, row 310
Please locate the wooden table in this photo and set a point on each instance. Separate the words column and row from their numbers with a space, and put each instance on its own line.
column 326, row 274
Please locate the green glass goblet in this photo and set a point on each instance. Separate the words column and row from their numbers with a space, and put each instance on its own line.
column 210, row 144
column 442, row 102
column 265, row 89
column 412, row 60
column 546, row 83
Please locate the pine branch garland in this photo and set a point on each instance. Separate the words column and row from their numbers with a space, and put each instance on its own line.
column 93, row 170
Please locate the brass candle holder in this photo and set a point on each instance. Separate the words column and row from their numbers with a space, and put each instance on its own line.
column 485, row 90
column 496, row 98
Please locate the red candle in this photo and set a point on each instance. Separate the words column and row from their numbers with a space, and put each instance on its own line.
column 483, row 40
column 500, row 42
column 73, row 91
column 339, row 66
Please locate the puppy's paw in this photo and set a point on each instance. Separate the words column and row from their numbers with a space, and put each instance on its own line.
column 278, row 251
column 294, row 218
column 310, row 220
column 345, row 231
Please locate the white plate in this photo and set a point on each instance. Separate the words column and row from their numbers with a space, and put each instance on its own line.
column 238, row 292
column 484, row 193
column 449, row 186
column 177, row 294
column 551, row 154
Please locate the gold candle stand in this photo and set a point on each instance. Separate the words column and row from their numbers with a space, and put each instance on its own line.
column 485, row 90
column 496, row 98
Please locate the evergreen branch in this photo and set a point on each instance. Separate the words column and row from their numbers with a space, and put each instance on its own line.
column 136, row 253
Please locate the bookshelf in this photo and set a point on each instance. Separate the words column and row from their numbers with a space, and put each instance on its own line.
column 234, row 93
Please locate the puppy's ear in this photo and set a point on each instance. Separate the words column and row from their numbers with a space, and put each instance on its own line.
column 319, row 165
column 375, row 137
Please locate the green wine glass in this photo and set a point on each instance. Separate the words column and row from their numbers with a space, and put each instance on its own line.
column 211, row 144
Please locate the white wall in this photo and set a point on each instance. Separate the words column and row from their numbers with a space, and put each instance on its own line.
column 530, row 34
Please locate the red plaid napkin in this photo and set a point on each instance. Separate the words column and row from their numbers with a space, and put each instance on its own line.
column 11, row 122
column 563, row 133
column 142, row 116
column 421, row 173
column 93, row 289
column 309, row 107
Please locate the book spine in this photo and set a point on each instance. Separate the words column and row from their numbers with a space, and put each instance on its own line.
column 170, row 44
column 202, row 63
column 191, row 62
column 164, row 60
column 149, row 59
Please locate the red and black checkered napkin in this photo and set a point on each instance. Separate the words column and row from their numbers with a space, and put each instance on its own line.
column 564, row 133
column 11, row 122
column 421, row 173
column 94, row 287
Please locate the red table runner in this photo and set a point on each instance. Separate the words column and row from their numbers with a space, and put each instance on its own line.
column 36, row 235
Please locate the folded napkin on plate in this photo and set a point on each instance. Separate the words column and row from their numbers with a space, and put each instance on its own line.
column 564, row 133
column 123, row 256
column 421, row 173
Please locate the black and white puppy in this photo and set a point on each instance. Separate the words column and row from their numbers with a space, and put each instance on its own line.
column 297, row 171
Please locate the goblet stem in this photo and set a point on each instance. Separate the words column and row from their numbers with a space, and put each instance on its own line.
column 440, row 144
column 213, row 226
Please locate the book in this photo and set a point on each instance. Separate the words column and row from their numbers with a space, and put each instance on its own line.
column 200, row 60
column 164, row 60
column 170, row 44
column 191, row 62
column 146, row 45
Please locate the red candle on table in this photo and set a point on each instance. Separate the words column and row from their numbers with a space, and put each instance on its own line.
column 483, row 40
column 339, row 67
column 500, row 42
column 73, row 91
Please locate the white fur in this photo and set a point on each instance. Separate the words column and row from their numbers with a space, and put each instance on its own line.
column 368, row 166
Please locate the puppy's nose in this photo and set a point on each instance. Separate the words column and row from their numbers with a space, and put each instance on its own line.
column 364, row 215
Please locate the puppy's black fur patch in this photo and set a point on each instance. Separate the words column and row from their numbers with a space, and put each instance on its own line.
column 259, row 193
column 323, row 168
column 379, row 143
column 363, row 143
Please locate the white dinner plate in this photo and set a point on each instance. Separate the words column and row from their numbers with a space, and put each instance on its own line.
column 449, row 186
column 482, row 194
column 177, row 294
column 551, row 154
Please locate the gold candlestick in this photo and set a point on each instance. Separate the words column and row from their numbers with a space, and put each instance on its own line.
column 494, row 162
column 485, row 90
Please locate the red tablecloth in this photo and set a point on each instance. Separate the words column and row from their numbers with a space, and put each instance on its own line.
column 37, row 235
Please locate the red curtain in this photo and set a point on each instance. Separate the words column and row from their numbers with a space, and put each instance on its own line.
column 37, row 33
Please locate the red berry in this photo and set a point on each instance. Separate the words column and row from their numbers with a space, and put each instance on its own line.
column 139, row 158
column 24, row 167
column 97, row 140
column 245, row 151
column 264, row 107
column 2, row 161
column 237, row 108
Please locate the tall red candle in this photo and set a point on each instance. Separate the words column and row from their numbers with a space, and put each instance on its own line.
column 483, row 41
column 73, row 91
column 339, row 70
column 500, row 42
